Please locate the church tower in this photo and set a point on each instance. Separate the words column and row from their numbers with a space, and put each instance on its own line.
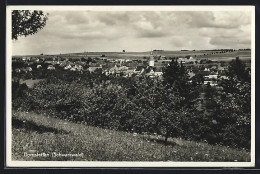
column 151, row 60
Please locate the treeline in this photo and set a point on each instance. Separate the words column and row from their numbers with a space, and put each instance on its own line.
column 171, row 106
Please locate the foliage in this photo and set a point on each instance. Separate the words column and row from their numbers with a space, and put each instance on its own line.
column 19, row 93
column 166, row 107
column 175, row 76
column 232, row 106
column 198, row 79
column 237, row 73
column 27, row 22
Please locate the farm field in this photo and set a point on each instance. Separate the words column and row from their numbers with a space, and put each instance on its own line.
column 243, row 55
column 33, row 133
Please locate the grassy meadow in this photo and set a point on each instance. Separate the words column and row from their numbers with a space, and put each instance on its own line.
column 33, row 133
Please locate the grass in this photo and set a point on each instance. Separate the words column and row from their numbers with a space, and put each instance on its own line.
column 32, row 133
column 30, row 83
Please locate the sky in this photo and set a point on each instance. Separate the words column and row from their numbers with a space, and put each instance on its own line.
column 79, row 31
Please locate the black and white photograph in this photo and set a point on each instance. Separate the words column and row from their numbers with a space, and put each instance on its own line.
column 130, row 86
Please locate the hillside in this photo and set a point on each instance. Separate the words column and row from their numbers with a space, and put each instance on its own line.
column 34, row 133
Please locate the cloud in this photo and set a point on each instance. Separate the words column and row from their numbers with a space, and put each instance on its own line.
column 218, row 19
column 230, row 42
column 138, row 31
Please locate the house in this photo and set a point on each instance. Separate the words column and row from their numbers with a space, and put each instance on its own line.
column 63, row 64
column 68, row 67
column 113, row 70
column 213, row 75
column 163, row 58
column 73, row 69
column 28, row 69
column 211, row 82
column 150, row 74
column 158, row 73
column 128, row 73
column 139, row 69
column 79, row 67
column 191, row 74
column 181, row 60
column 51, row 67
column 26, row 58
column 39, row 66
column 206, row 69
column 76, row 68
column 223, row 77
column 214, row 67
column 93, row 68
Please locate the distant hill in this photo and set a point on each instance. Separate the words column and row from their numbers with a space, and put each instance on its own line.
column 201, row 54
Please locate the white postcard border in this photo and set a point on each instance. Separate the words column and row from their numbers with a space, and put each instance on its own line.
column 11, row 163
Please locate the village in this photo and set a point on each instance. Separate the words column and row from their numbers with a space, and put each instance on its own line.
column 151, row 66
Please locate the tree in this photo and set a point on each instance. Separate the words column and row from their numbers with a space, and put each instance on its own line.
column 198, row 79
column 233, row 106
column 237, row 74
column 174, row 74
column 237, row 69
column 27, row 22
column 176, row 77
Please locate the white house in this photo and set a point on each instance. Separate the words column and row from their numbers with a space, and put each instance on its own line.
column 39, row 66
column 51, row 67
